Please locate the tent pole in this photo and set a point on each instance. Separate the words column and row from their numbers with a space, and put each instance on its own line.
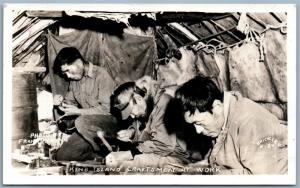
column 162, row 38
column 224, row 29
column 258, row 21
column 19, row 32
column 182, row 29
column 211, row 36
column 276, row 17
column 19, row 17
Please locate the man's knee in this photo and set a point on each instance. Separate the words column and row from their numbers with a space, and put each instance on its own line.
column 94, row 123
column 81, row 122
column 76, row 148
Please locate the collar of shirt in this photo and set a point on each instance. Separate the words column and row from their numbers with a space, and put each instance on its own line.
column 226, row 103
column 223, row 134
column 229, row 98
column 89, row 73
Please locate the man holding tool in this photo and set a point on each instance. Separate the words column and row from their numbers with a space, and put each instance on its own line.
column 85, row 107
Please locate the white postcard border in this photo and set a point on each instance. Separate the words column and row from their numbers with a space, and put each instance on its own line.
column 9, row 177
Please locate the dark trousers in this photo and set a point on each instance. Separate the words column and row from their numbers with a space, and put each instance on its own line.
column 84, row 143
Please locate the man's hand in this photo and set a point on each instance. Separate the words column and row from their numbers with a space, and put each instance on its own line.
column 125, row 135
column 202, row 163
column 69, row 109
column 57, row 100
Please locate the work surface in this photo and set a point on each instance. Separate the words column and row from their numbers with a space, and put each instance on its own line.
column 35, row 164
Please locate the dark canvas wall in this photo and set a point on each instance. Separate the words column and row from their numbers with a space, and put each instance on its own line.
column 126, row 58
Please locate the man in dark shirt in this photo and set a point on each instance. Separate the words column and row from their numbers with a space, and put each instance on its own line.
column 87, row 99
column 146, row 103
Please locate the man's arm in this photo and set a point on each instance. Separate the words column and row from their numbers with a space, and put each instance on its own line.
column 63, row 103
column 162, row 142
column 100, row 109
column 263, row 146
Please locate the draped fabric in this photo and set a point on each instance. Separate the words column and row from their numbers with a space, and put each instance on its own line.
column 248, row 74
column 277, row 109
column 207, row 66
column 243, row 68
column 221, row 59
column 176, row 72
column 127, row 58
column 276, row 59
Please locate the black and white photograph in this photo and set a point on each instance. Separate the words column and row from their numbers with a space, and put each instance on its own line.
column 149, row 94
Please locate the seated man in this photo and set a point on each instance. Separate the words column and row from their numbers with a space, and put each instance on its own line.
column 249, row 139
column 144, row 102
column 88, row 99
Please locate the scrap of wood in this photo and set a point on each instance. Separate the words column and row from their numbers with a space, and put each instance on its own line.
column 44, row 14
column 29, row 69
column 24, row 158
column 167, row 17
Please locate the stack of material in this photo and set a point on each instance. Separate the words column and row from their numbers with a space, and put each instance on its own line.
column 36, row 151
column 36, row 164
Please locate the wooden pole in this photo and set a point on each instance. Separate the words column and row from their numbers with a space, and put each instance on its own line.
column 29, row 69
column 183, row 30
column 224, row 29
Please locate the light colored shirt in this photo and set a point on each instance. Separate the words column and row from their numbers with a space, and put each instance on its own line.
column 92, row 93
column 226, row 102
column 252, row 141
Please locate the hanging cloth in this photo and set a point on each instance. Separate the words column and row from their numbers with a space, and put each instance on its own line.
column 276, row 109
column 221, row 58
column 248, row 73
column 126, row 58
column 177, row 71
column 207, row 66
column 276, row 60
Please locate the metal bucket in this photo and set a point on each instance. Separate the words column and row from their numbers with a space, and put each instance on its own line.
column 24, row 108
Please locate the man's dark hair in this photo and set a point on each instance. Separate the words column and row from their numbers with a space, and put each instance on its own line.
column 115, row 103
column 127, row 88
column 198, row 93
column 66, row 56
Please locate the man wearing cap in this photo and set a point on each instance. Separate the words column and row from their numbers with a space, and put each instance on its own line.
column 249, row 139
column 146, row 104
column 87, row 100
